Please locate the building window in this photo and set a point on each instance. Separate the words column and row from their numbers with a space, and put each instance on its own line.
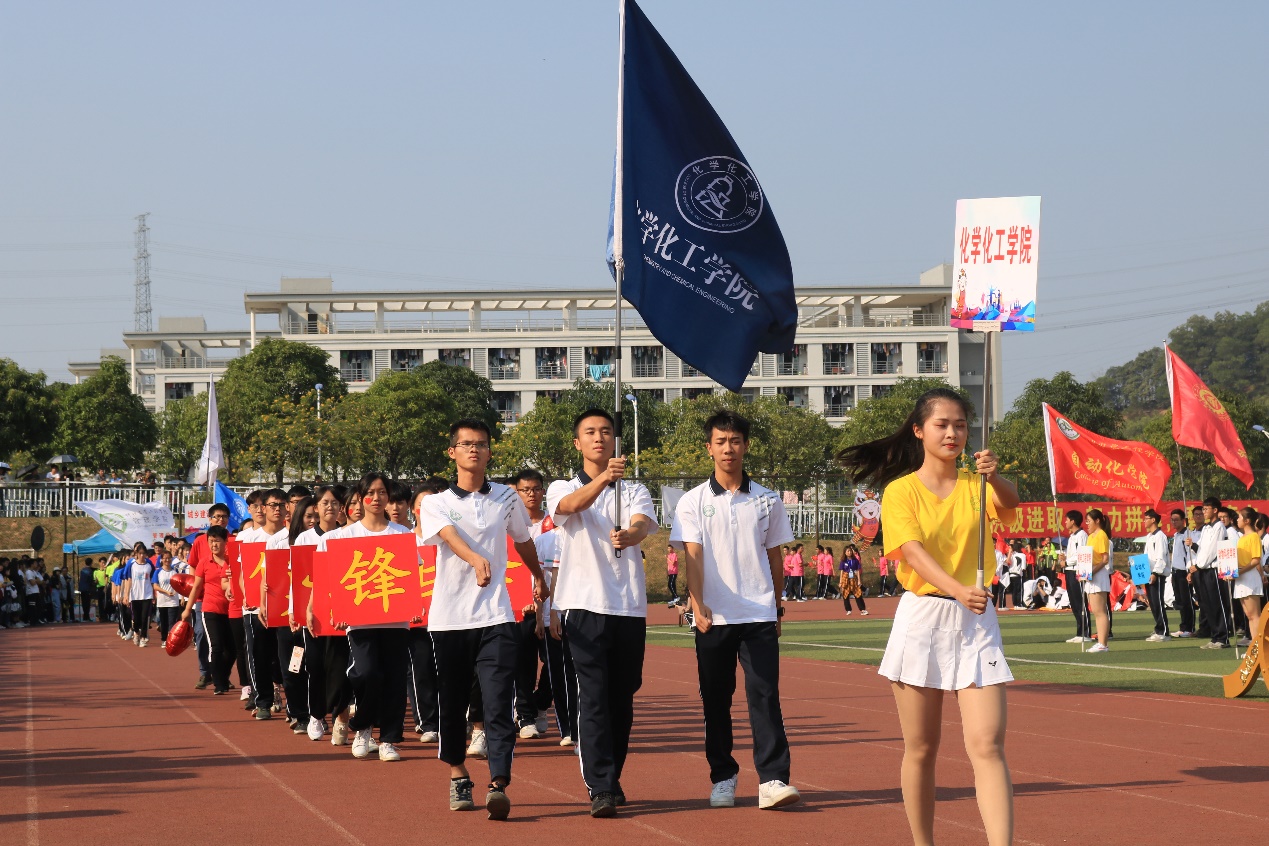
column 599, row 361
column 178, row 390
column 507, row 404
column 748, row 394
column 887, row 358
column 552, row 363
column 406, row 359
column 796, row 397
column 504, row 363
column 456, row 358
column 646, row 362
column 792, row 363
column 839, row 400
column 839, row 359
column 879, row 391
column 690, row 372
column 693, row 393
column 356, row 365
column 931, row 357
column 554, row 396
column 650, row 394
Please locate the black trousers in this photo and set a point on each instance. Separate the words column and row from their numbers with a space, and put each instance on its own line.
column 1183, row 599
column 86, row 603
column 1154, row 593
column 672, row 582
column 124, row 611
column 526, row 679
column 1079, row 607
column 608, row 662
column 315, row 674
column 1211, row 599
column 141, row 612
column 167, row 619
column 103, row 605
column 422, row 689
column 821, row 587
column 200, row 642
column 339, row 692
column 488, row 656
column 262, row 651
column 562, row 678
column 239, row 630
column 378, row 660
column 846, row 602
column 295, row 684
column 758, row 648
column 220, row 647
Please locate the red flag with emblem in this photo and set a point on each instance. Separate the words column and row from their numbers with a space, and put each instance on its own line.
column 1084, row 462
column 519, row 581
column 1200, row 421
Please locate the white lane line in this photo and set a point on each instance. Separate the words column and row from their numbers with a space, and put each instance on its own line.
column 279, row 783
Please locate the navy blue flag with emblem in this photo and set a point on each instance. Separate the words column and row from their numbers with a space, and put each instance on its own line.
column 705, row 263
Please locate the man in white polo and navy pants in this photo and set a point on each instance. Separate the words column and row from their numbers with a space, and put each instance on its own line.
column 601, row 591
column 731, row 529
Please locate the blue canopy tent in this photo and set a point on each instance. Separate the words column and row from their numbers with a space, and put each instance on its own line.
column 101, row 542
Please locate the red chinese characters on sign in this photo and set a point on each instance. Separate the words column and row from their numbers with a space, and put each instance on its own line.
column 989, row 244
column 277, row 588
column 376, row 580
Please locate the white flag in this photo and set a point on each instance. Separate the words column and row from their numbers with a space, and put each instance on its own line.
column 130, row 522
column 213, row 456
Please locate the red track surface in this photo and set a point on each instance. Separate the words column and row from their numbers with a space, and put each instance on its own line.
column 101, row 742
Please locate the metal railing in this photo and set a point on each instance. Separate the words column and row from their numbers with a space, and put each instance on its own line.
column 937, row 366
column 552, row 371
column 508, row 415
column 791, row 368
column 646, row 371
column 504, row 371
column 350, row 373
column 883, row 367
column 838, row 410
column 894, row 321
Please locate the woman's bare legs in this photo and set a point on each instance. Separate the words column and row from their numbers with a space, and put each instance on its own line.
column 983, row 718
column 921, row 719
column 1097, row 602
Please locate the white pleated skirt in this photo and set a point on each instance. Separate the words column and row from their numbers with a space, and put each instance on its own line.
column 1250, row 583
column 939, row 643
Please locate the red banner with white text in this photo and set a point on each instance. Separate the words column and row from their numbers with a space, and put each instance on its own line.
column 1044, row 520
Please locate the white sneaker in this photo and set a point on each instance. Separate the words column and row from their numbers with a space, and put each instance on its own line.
column 1076, row 639
column 543, row 724
column 144, row 641
column 1157, row 638
column 246, row 693
column 724, row 794
column 339, row 733
column 429, row 737
column 388, row 752
column 1098, row 647
column 566, row 741
column 1242, row 641
column 863, row 613
column 848, row 613
column 529, row 731
column 478, row 748
column 777, row 794
column 361, row 744
column 316, row 728
column 136, row 638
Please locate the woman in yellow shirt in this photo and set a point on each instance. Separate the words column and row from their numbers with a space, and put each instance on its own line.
column 1097, row 589
column 1249, row 587
column 945, row 635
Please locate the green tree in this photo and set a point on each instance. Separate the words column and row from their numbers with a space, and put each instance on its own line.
column 28, row 416
column 877, row 417
column 275, row 369
column 182, row 429
column 102, row 423
column 1197, row 469
column 471, row 394
column 400, row 426
column 287, row 440
column 1018, row 439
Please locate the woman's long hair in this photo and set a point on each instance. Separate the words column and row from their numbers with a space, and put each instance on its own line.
column 880, row 462
column 297, row 517
column 1102, row 522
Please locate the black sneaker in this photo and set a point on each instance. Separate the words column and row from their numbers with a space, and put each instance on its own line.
column 263, row 714
column 203, row 682
column 497, row 803
column 619, row 796
column 460, row 794
column 604, row 805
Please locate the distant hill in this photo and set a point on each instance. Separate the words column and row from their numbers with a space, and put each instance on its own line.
column 1229, row 351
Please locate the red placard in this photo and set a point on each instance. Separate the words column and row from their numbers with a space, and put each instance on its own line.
column 375, row 580
column 519, row 581
column 323, row 577
column 302, row 579
column 277, row 588
column 251, row 555
column 231, row 561
column 427, row 579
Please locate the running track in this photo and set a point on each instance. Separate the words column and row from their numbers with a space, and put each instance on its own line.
column 101, row 742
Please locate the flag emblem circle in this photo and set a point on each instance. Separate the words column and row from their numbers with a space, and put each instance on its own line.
column 719, row 194
column 1213, row 404
column 1067, row 429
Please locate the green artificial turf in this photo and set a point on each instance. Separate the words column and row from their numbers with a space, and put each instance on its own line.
column 1131, row 664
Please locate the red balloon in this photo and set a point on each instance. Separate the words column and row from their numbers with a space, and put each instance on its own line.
column 183, row 583
column 179, row 638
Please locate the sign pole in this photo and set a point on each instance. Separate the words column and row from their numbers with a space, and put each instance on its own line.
column 619, row 261
column 982, row 483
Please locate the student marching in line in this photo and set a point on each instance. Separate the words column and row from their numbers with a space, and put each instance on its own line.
column 471, row 620
column 731, row 529
column 1249, row 588
column 423, row 689
column 946, row 636
column 166, row 600
column 212, row 583
column 262, row 641
column 1076, row 537
column 532, row 702
column 602, row 592
column 303, row 517
column 379, row 655
column 217, row 515
column 326, row 656
column 123, row 603
column 1097, row 589
column 1156, row 551
column 138, row 590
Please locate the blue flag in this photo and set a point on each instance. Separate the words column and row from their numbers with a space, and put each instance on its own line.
column 238, row 513
column 705, row 263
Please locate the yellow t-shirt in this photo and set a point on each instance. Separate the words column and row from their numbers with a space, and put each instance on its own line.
column 947, row 528
column 1101, row 546
column 1249, row 550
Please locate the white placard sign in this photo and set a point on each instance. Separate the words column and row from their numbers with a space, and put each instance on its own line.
column 196, row 516
column 1084, row 563
column 995, row 264
column 1227, row 559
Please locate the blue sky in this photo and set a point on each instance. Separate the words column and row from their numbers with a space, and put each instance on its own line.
column 401, row 145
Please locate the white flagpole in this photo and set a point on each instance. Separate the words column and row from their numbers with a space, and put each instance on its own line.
column 619, row 263
column 982, row 485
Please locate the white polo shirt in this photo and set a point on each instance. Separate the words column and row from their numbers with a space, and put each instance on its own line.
column 1157, row 551
column 357, row 530
column 591, row 576
column 252, row 535
column 1075, row 541
column 735, row 530
column 483, row 519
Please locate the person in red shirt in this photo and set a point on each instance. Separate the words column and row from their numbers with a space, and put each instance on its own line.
column 211, row 581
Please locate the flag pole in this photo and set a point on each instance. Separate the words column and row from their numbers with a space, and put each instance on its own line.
column 619, row 262
column 982, row 484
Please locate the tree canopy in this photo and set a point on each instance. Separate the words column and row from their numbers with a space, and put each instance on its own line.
column 28, row 416
column 102, row 423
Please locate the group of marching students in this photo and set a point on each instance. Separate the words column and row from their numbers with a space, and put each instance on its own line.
column 1187, row 563
column 472, row 676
